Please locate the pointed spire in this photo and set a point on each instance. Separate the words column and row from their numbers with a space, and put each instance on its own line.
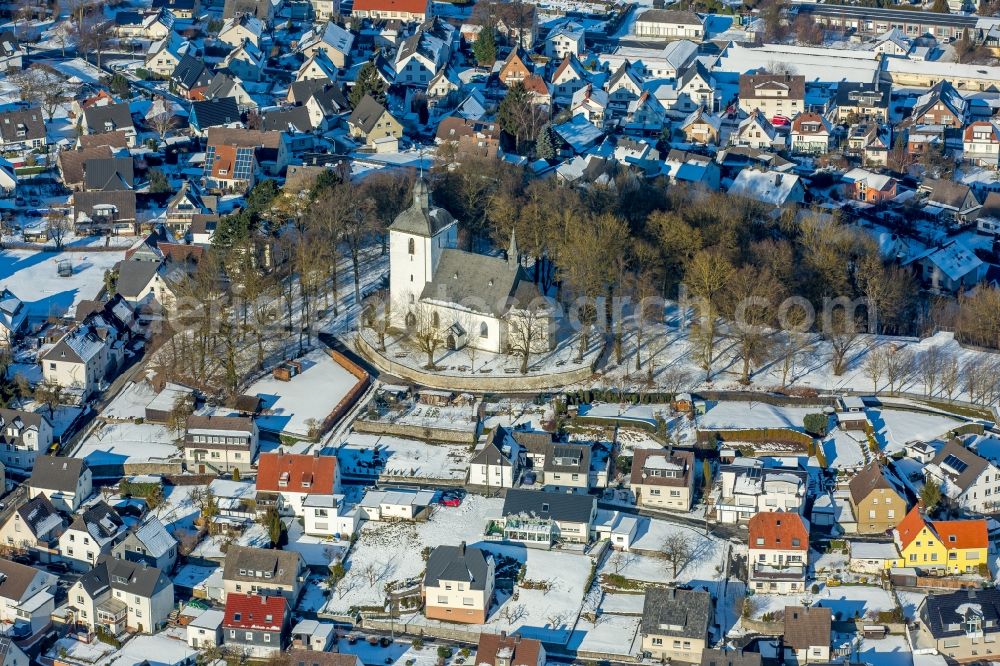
column 512, row 253
column 421, row 196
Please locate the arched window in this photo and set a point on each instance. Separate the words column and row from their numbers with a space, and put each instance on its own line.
column 484, row 330
column 435, row 320
column 412, row 246
column 413, row 299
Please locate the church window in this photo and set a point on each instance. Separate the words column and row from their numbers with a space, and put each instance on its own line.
column 412, row 246
column 435, row 320
column 484, row 330
column 412, row 299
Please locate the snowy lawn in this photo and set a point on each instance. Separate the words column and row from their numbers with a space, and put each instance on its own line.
column 609, row 634
column 117, row 443
column 910, row 601
column 402, row 457
column 33, row 277
column 889, row 651
column 316, row 551
column 747, row 415
column 61, row 417
column 397, row 654
column 845, row 449
column 851, row 601
column 894, row 427
column 290, row 406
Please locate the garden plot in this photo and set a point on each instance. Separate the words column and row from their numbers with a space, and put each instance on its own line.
column 34, row 278
column 118, row 443
column 895, row 427
column 396, row 654
column 888, row 651
column 366, row 455
column 846, row 602
column 292, row 407
column 315, row 551
column 178, row 511
column 608, row 634
column 753, row 415
column 845, row 449
column 461, row 418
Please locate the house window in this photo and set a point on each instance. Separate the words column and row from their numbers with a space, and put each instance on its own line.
column 249, row 635
column 466, row 601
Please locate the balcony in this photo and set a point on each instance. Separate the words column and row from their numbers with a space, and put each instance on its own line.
column 111, row 615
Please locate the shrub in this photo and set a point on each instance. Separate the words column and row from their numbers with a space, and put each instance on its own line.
column 816, row 424
column 815, row 588
column 417, row 643
column 443, row 652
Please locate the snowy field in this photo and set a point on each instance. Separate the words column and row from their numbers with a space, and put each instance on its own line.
column 400, row 653
column 846, row 602
column 116, row 443
column 401, row 457
column 289, row 406
column 33, row 278
column 888, row 651
column 894, row 428
column 749, row 415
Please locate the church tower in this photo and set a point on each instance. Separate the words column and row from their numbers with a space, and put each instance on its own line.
column 417, row 237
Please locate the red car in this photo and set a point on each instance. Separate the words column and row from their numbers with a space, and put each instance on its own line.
column 451, row 501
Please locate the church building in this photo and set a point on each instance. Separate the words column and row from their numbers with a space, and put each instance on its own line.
column 468, row 296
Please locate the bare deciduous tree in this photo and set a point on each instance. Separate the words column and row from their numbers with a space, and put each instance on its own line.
column 527, row 332
column 676, row 550
column 425, row 332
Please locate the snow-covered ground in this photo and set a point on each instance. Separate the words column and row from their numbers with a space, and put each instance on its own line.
column 894, row 428
column 290, row 406
column 402, row 457
column 400, row 653
column 33, row 277
column 888, row 651
column 115, row 443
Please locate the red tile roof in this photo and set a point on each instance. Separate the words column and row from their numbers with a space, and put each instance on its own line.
column 523, row 651
column 966, row 533
column 779, row 531
column 411, row 6
column 300, row 473
column 253, row 611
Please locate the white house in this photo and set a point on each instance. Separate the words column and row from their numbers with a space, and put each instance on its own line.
column 23, row 435
column 67, row 482
column 669, row 24
column 117, row 595
column 86, row 355
column 748, row 487
column 90, row 535
column 336, row 42
column 246, row 61
column 568, row 78
column 395, row 504
column 981, row 143
column 284, row 480
column 26, row 596
column 755, row 131
column 206, row 630
column 567, row 39
column 968, row 480
column 950, row 268
column 328, row 516
column 242, row 28
column 498, row 463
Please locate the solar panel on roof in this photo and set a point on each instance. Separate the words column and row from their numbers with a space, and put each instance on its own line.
column 952, row 461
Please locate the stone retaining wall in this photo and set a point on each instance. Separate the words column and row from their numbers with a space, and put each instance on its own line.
column 424, row 433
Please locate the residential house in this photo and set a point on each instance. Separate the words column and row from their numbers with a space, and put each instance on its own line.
column 807, row 635
column 408, row 11
column 66, row 482
column 255, row 624
column 26, row 597
column 755, row 131
column 22, row 129
column 967, row 480
column 422, row 55
column 220, row 443
column 654, row 63
column 568, row 79
column 372, row 122
column 981, row 144
column 869, row 186
column 669, row 24
column 676, row 623
column 205, row 631
column 950, row 202
column 663, row 479
column 567, row 468
column 693, row 169
column 224, row 84
column 701, row 127
column 10, row 653
column 242, row 28
column 779, row 553
column 264, row 10
column 163, row 57
column 284, row 480
column 119, row 596
column 770, row 187
column 962, row 626
column 590, row 103
column 515, row 67
column 567, row 39
column 748, row 486
column 317, row 67
column 108, row 174
column 110, row 118
column 23, row 436
column 333, row 41
column 214, row 112
column 644, row 117
column 623, row 87
column 444, row 83
column 774, row 95
column 234, row 157
column 71, row 164
column 245, row 61
column 498, row 463
column 296, row 121
column 148, row 543
column 458, row 584
column 189, row 201
column 730, row 657
column 874, row 557
column 13, row 317
column 34, row 527
column 941, row 105
column 88, row 353
column 893, row 43
column 695, row 90
column 153, row 25
column 876, row 504
column 180, row 9
column 91, row 534
column 110, row 212
column 810, row 134
column 263, row 571
column 949, row 268
column 513, row 650
column 395, row 504
column 870, row 142
column 328, row 516
column 988, row 220
column 861, row 101
column 947, row 546
column 540, row 518
column 516, row 23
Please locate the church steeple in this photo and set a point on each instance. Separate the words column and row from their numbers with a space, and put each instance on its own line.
column 421, row 195
column 512, row 253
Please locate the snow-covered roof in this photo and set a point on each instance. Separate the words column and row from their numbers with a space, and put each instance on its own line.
column 766, row 186
column 155, row 537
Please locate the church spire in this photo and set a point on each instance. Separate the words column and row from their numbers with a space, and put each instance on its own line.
column 512, row 253
column 421, row 196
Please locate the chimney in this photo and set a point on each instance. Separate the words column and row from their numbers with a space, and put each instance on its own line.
column 503, row 633
column 461, row 548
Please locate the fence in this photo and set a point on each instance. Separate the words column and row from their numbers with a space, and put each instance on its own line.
column 757, row 435
column 349, row 400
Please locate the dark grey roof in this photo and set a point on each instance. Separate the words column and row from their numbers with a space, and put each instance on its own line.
column 300, row 91
column 15, row 579
column 670, row 16
column 277, row 567
column 491, row 453
column 863, row 94
column 122, row 200
column 717, row 657
column 215, row 111
column 108, row 173
column 39, row 515
column 422, row 218
column 562, row 507
column 481, row 283
column 699, row 69
column 221, row 85
column 191, row 72
column 128, row 18
column 129, row 577
column 366, row 114
column 57, row 473
column 29, row 121
column 567, row 458
column 108, row 118
column 943, row 614
column 972, row 464
column 331, row 99
column 458, row 563
column 297, row 117
column 100, row 520
column 20, row 421
column 674, row 612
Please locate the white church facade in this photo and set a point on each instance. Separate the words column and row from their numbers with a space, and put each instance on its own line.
column 466, row 296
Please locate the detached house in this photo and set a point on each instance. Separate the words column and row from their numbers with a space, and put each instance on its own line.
column 981, row 143
column 34, row 527
column 336, row 42
column 235, row 157
column 242, row 28
column 862, row 101
column 86, row 355
column 949, row 268
column 749, row 487
column 263, row 571
column 669, row 24
column 949, row 546
column 148, row 543
column 770, row 187
column 498, row 464
column 876, row 504
column 372, row 122
column 623, row 88
column 26, row 597
column 568, row 79
column 120, row 596
column 515, row 650
column 66, row 482
column 22, row 129
column 868, row 186
column 941, row 105
column 540, row 518
column 755, row 131
column 663, row 479
column 950, row 202
column 458, row 584
column 284, row 480
column 968, row 480
column 807, row 635
column 810, row 134
column 676, row 623
column 701, row 127
column 110, row 118
column 565, row 40
column 23, row 435
column 774, row 95
column 255, row 625
column 90, row 535
column 779, row 553
column 221, row 443
column 963, row 625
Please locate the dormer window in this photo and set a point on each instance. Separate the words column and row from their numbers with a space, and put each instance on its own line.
column 283, row 480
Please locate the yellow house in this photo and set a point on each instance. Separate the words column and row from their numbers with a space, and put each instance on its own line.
column 948, row 546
